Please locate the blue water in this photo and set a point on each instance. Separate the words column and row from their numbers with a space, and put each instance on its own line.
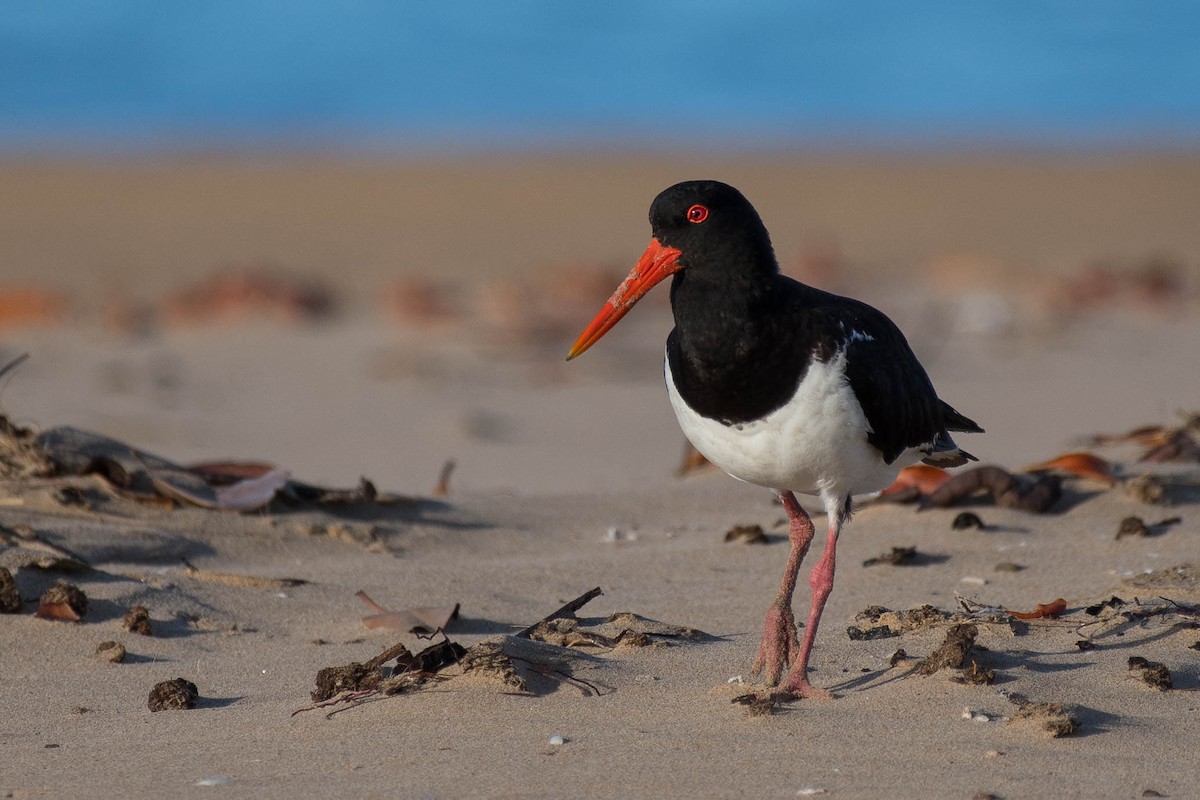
column 78, row 75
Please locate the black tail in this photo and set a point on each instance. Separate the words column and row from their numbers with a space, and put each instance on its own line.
column 955, row 421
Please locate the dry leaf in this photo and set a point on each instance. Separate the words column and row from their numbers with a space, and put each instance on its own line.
column 1043, row 610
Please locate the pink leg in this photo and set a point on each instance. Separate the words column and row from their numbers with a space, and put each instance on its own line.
column 779, row 646
column 821, row 581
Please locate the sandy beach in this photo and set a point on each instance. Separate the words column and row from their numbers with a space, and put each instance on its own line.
column 403, row 314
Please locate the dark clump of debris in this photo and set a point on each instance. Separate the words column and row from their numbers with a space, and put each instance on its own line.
column 1152, row 673
column 63, row 601
column 112, row 652
column 370, row 676
column 137, row 620
column 10, row 597
column 1136, row 526
column 352, row 677
column 977, row 675
column 746, row 534
column 1037, row 495
column 176, row 694
column 878, row 622
column 966, row 520
column 898, row 557
column 952, row 652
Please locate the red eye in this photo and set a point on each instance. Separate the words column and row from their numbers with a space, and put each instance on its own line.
column 697, row 213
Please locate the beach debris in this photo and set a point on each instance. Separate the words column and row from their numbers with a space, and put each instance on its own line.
column 137, row 620
column 442, row 487
column 966, row 520
column 556, row 740
column 1149, row 489
column 757, row 704
column 1115, row 614
column 1049, row 610
column 360, row 680
column 1164, row 443
column 423, row 621
column 629, row 622
column 10, row 596
column 1051, row 719
column 1008, row 566
column 567, row 611
column 488, row 660
column 1179, row 446
column 1008, row 490
column 1136, row 526
column 1095, row 608
column 248, row 494
column 623, row 629
column 355, row 676
column 231, row 579
column 63, row 601
column 1081, row 465
column 177, row 694
column 1132, row 526
column 1181, row 576
column 904, row 557
column 914, row 482
column 953, row 651
column 244, row 292
column 525, row 666
column 746, row 534
column 1152, row 673
column 127, row 473
column 110, row 651
column 878, row 622
column 976, row 675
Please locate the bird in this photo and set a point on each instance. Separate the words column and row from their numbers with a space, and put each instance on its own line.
column 782, row 385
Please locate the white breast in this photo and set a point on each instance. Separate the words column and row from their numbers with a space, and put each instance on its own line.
column 816, row 443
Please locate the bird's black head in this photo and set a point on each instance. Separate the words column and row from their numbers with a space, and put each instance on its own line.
column 715, row 228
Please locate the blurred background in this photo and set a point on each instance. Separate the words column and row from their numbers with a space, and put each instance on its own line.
column 453, row 189
column 92, row 77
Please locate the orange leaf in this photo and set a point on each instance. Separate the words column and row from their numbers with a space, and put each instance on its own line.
column 1084, row 465
column 1043, row 610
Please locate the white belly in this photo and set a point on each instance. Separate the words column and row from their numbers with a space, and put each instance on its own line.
column 816, row 443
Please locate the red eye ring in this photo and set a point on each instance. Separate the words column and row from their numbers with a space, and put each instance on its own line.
column 697, row 214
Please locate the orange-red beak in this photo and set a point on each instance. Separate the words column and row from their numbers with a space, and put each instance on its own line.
column 656, row 263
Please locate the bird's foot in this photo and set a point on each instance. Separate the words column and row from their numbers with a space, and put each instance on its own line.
column 796, row 687
column 779, row 646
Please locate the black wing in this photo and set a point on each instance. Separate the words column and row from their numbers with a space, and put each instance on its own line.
column 892, row 387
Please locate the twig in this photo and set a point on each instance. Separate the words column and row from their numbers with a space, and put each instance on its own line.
column 566, row 612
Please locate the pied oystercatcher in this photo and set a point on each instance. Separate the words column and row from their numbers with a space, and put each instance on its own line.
column 781, row 385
